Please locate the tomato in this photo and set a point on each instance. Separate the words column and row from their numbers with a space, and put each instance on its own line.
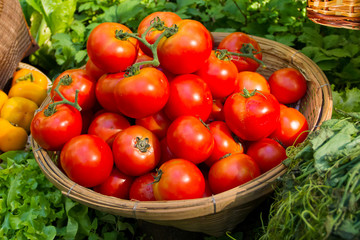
column 93, row 71
column 207, row 192
column 288, row 85
column 106, row 125
column 169, row 18
column 87, row 160
column 217, row 113
column 232, row 171
column 252, row 117
column 51, row 132
column 166, row 153
column 251, row 81
column 224, row 142
column 142, row 189
column 136, row 150
column 187, row 50
column 143, row 94
column 189, row 138
column 157, row 123
column 292, row 128
column 75, row 79
column 108, row 52
column 233, row 43
column 220, row 74
column 116, row 185
column 178, row 179
column 267, row 153
column 189, row 95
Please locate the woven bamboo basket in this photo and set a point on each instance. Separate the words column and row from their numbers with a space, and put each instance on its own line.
column 335, row 13
column 221, row 212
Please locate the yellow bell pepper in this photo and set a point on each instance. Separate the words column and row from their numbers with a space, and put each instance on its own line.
column 11, row 137
column 28, row 90
column 28, row 75
column 3, row 98
column 19, row 111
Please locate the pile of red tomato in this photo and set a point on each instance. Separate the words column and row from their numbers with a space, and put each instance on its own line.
column 191, row 127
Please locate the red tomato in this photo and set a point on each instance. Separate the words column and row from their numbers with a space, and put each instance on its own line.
column 251, row 81
column 93, row 71
column 189, row 95
column 233, row 43
column 232, row 171
column 142, row 189
column 106, row 125
column 179, row 179
column 52, row 132
column 187, row 50
column 292, row 128
column 86, row 117
column 157, row 123
column 288, row 85
column 252, row 117
column 166, row 153
column 217, row 113
column 87, row 160
column 76, row 79
column 108, row 52
column 169, row 18
column 220, row 74
column 189, row 138
column 116, row 185
column 143, row 94
column 267, row 153
column 136, row 151
column 207, row 192
column 224, row 142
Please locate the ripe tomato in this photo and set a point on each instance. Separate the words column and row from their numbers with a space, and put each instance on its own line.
column 141, row 189
column 106, row 125
column 136, row 151
column 166, row 153
column 232, row 171
column 288, row 85
column 224, row 142
column 93, row 71
column 292, row 128
column 267, row 153
column 143, row 94
column 217, row 113
column 252, row 117
column 189, row 95
column 76, row 79
column 189, row 138
column 108, row 52
column 220, row 74
column 233, row 43
column 116, row 185
column 87, row 160
column 251, row 81
column 169, row 18
column 178, row 179
column 157, row 123
column 52, row 132
column 186, row 50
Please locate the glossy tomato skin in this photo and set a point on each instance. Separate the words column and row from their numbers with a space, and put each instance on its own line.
column 288, row 85
column 87, row 160
column 189, row 138
column 224, row 142
column 142, row 189
column 180, row 179
column 143, row 94
column 109, row 53
column 189, row 95
column 186, row 50
column 136, row 151
column 233, row 43
column 81, row 81
column 252, row 118
column 93, row 71
column 292, row 128
column 52, row 132
column 157, row 123
column 106, row 125
column 267, row 153
column 116, row 185
column 251, row 81
column 232, row 171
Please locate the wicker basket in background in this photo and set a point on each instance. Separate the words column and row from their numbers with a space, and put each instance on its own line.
column 335, row 13
column 221, row 212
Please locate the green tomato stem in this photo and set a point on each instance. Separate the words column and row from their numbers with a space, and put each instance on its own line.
column 248, row 51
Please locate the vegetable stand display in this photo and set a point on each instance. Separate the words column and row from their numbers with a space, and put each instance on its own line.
column 221, row 212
